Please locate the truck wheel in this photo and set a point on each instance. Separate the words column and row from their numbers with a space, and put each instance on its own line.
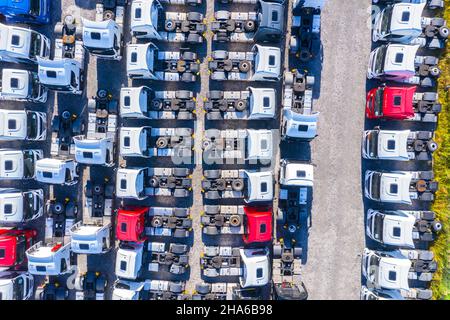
column 180, row 193
column 437, row 226
column 216, row 262
column 211, row 230
column 280, row 218
column 212, row 195
column 288, row 78
column 305, row 55
column 175, row 287
column 223, row 15
column 244, row 66
column 98, row 189
column 100, row 284
column 249, row 25
column 157, row 104
column 180, row 172
column 203, row 288
column 58, row 30
column 298, row 252
column 183, row 94
column 188, row 77
column 426, row 175
column 179, row 233
column 178, row 248
column 427, row 196
column 235, row 220
column 212, row 174
column 189, row 56
column 238, row 185
column 241, row 105
column 418, row 145
column 215, row 115
column 215, row 95
column 109, row 191
column 443, row 32
column 219, row 55
column 277, row 250
column 218, row 76
column 223, row 106
column 432, row 146
column 78, row 285
column 154, row 182
column 212, row 210
column 180, row 212
column 194, row 16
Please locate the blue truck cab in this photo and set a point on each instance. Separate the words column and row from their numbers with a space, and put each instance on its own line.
column 26, row 11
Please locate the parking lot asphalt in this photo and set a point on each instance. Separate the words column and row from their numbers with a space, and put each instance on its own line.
column 336, row 239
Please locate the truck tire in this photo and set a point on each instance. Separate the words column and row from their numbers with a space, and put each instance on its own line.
column 212, row 174
column 109, row 191
column 426, row 196
column 58, row 30
column 189, row 56
column 221, row 184
column 244, row 66
column 288, row 78
column 231, row 25
column 218, row 76
column 216, row 262
column 210, row 230
column 219, row 55
column 222, row 15
column 180, row 172
column 298, row 252
column 178, row 248
column 426, row 175
column 180, row 233
column 194, row 38
column 180, row 193
column 215, row 95
column 277, row 250
column 238, row 185
column 183, row 94
column 194, row 16
column 280, row 218
column 223, row 106
column 78, row 285
column 203, row 288
column 212, row 195
column 183, row 115
column 175, row 287
column 214, row 115
column 100, row 284
column 212, row 209
column 180, row 212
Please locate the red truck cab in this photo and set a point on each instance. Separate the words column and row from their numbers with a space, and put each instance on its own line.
column 394, row 103
column 130, row 224
column 258, row 224
column 13, row 244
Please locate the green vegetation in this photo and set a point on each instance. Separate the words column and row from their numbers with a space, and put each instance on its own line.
column 441, row 248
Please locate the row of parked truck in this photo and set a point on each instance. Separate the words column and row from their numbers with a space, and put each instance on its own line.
column 411, row 35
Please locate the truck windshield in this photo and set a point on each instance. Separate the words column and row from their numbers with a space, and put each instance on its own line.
column 18, row 288
column 28, row 205
column 32, row 125
column 35, row 45
column 378, row 103
column 375, row 186
column 378, row 220
column 21, row 248
column 34, row 85
column 35, row 7
column 372, row 139
column 28, row 164
column 374, row 265
column 379, row 60
column 386, row 16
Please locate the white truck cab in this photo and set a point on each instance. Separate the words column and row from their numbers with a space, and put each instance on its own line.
column 20, row 45
column 63, row 75
column 19, row 206
column 22, row 125
column 127, row 290
column 256, row 272
column 49, row 259
column 99, row 151
column 401, row 145
column 296, row 174
column 57, row 171
column 19, row 164
column 386, row 294
column 259, row 186
column 90, row 239
column 16, row 286
column 103, row 38
column 129, row 260
column 21, row 85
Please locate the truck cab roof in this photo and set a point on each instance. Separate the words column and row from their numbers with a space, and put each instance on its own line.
column 17, row 206
column 15, row 40
column 51, row 170
column 130, row 224
column 259, row 224
column 99, row 35
column 130, row 182
column 127, row 290
column 144, row 14
column 13, row 124
column 140, row 58
column 271, row 19
column 259, row 145
column 133, row 101
column 392, row 102
column 47, row 259
column 300, row 126
column 267, row 62
column 406, row 18
column 297, row 174
column 13, row 243
column 133, row 141
column 129, row 260
column 392, row 186
column 397, row 230
column 387, row 144
column 11, row 164
column 88, row 239
column 262, row 103
column 256, row 267
column 16, row 83
column 91, row 151
column 57, row 73
column 400, row 59
column 260, row 186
